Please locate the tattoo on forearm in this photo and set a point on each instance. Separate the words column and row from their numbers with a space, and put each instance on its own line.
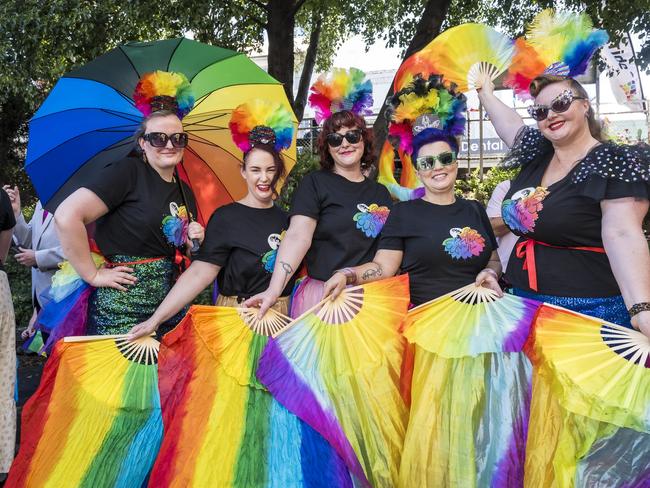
column 288, row 270
column 372, row 273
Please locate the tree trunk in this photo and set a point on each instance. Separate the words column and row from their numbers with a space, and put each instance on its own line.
column 428, row 28
column 280, row 31
column 308, row 67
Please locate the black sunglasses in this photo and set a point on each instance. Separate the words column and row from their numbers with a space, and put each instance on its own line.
column 334, row 139
column 159, row 139
column 426, row 163
column 560, row 104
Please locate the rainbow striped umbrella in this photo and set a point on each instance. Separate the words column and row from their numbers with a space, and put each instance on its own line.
column 89, row 119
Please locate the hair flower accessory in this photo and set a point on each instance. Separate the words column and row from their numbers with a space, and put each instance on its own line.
column 164, row 90
column 556, row 43
column 261, row 122
column 341, row 90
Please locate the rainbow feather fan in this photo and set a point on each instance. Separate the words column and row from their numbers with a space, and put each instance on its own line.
column 470, row 390
column 590, row 412
column 95, row 419
column 337, row 367
column 261, row 113
column 222, row 427
column 556, row 43
column 468, row 53
column 163, row 86
column 341, row 90
column 67, row 311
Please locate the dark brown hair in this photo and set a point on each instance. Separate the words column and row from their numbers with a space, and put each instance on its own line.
column 541, row 82
column 278, row 160
column 345, row 118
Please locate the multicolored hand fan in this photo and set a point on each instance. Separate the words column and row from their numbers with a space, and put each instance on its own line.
column 95, row 419
column 337, row 367
column 590, row 413
column 556, row 43
column 470, row 390
column 222, row 427
column 468, row 53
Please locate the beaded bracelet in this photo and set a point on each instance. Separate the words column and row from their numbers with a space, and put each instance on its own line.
column 350, row 275
column 638, row 308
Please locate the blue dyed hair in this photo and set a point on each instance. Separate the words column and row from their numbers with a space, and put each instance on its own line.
column 430, row 135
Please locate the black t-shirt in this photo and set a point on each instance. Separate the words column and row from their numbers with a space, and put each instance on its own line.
column 7, row 218
column 350, row 217
column 445, row 246
column 244, row 241
column 567, row 214
column 146, row 216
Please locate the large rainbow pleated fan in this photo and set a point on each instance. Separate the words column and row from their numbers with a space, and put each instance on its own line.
column 339, row 90
column 259, row 114
column 470, row 390
column 337, row 367
column 468, row 53
column 556, row 43
column 590, row 413
column 95, row 419
column 222, row 427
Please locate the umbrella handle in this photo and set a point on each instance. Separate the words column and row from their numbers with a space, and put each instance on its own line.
column 195, row 246
column 195, row 242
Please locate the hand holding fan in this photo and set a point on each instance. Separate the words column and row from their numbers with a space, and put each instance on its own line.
column 469, row 390
column 468, row 53
column 95, row 419
column 337, row 367
column 590, row 415
column 222, row 427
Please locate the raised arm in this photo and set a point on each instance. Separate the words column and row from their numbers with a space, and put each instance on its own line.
column 192, row 282
column 291, row 252
column 627, row 250
column 385, row 264
column 506, row 121
column 71, row 217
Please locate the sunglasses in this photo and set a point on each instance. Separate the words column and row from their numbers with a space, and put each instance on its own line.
column 427, row 163
column 334, row 139
column 159, row 139
column 560, row 104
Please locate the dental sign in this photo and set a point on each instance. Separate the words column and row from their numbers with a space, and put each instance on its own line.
column 624, row 79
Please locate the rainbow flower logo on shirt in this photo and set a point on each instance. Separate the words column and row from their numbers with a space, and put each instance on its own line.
column 174, row 226
column 521, row 211
column 371, row 218
column 464, row 243
column 268, row 260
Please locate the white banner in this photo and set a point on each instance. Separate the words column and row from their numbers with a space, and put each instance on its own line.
column 624, row 79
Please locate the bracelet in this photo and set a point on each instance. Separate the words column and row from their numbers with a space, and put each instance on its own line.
column 496, row 275
column 350, row 276
column 638, row 308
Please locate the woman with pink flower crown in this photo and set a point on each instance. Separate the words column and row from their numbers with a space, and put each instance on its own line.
column 337, row 212
column 441, row 241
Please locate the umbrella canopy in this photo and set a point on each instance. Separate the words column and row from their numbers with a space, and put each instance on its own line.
column 89, row 119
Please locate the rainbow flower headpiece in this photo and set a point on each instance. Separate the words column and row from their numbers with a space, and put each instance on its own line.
column 427, row 110
column 341, row 90
column 556, row 43
column 261, row 122
column 164, row 90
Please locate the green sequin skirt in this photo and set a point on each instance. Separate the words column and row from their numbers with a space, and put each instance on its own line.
column 112, row 311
